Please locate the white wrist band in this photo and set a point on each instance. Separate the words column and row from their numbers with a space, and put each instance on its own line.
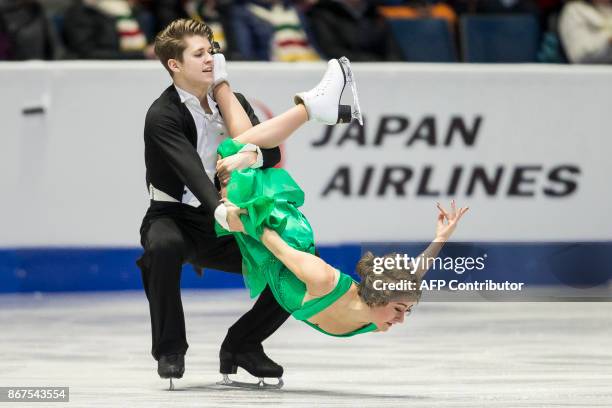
column 221, row 216
column 250, row 147
column 219, row 70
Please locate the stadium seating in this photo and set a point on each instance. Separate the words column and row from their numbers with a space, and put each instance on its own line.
column 424, row 40
column 497, row 38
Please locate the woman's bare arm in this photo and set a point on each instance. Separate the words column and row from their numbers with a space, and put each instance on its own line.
column 424, row 261
column 235, row 117
column 318, row 276
column 447, row 222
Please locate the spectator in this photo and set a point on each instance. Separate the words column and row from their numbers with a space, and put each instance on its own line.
column 107, row 29
column 586, row 31
column 289, row 42
column 420, row 9
column 551, row 50
column 494, row 6
column 215, row 13
column 253, row 35
column 164, row 11
column 547, row 7
column 25, row 32
column 353, row 28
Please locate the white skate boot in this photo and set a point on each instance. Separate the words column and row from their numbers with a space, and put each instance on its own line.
column 323, row 101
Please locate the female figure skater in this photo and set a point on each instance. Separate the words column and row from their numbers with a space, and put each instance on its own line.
column 275, row 238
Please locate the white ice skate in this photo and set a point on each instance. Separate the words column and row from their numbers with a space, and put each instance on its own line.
column 323, row 101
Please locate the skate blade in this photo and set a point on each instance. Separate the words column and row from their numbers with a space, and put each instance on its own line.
column 350, row 78
column 261, row 385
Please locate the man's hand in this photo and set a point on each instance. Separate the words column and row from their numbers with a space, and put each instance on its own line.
column 237, row 161
column 233, row 216
column 447, row 221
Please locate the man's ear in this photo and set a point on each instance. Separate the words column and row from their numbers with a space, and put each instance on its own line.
column 174, row 65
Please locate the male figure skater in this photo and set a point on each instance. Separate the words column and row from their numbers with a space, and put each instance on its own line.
column 183, row 128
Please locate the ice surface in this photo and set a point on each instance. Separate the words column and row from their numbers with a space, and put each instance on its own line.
column 445, row 355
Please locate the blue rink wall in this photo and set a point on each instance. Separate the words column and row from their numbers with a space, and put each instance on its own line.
column 582, row 264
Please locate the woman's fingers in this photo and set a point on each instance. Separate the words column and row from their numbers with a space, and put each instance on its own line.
column 455, row 214
column 228, row 203
column 460, row 213
column 442, row 210
column 443, row 217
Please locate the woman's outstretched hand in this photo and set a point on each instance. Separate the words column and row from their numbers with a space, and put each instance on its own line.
column 447, row 221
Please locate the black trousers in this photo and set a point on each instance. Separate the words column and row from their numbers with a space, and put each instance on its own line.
column 173, row 234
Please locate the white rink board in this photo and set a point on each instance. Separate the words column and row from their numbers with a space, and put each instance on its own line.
column 74, row 176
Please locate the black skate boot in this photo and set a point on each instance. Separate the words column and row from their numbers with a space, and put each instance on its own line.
column 171, row 366
column 256, row 363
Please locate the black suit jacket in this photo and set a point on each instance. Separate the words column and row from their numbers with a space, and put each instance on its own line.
column 171, row 157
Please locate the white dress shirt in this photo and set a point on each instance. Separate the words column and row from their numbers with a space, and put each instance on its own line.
column 211, row 132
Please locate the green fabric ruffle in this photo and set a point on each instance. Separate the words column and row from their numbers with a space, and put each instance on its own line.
column 271, row 198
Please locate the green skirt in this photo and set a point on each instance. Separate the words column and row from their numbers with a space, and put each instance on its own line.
column 272, row 199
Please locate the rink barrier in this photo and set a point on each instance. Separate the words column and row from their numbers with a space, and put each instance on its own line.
column 505, row 140
column 583, row 264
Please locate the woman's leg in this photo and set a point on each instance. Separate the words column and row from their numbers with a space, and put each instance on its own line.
column 268, row 134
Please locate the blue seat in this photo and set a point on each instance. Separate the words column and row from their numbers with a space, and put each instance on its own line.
column 500, row 38
column 424, row 39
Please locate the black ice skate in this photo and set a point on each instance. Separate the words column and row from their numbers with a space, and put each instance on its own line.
column 255, row 363
column 171, row 366
column 323, row 101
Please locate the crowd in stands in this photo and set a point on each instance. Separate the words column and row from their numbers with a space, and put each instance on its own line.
column 556, row 31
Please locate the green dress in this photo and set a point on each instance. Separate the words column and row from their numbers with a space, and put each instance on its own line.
column 272, row 199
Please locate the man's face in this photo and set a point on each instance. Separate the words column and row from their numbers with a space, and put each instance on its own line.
column 196, row 67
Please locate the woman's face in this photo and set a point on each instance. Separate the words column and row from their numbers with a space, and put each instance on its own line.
column 390, row 314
